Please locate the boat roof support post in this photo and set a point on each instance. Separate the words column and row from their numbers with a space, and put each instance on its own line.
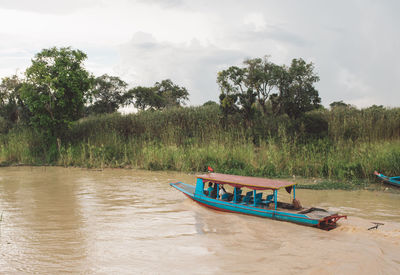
column 234, row 194
column 199, row 186
column 217, row 190
column 294, row 191
column 275, row 198
column 254, row 196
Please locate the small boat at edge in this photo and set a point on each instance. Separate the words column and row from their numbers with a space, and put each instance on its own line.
column 253, row 203
column 390, row 180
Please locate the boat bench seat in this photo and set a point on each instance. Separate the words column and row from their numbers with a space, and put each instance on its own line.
column 269, row 199
column 258, row 199
column 246, row 199
column 239, row 193
column 238, row 196
column 225, row 197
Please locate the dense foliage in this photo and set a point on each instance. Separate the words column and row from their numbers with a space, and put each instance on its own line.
column 269, row 123
column 261, row 83
column 55, row 90
column 58, row 90
column 164, row 94
column 12, row 108
column 108, row 94
column 349, row 145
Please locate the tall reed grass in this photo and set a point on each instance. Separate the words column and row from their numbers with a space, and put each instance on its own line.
column 334, row 144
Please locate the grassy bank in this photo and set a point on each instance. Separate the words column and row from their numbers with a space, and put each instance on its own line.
column 190, row 139
column 272, row 159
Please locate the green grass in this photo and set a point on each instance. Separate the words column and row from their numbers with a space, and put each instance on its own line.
column 271, row 158
column 353, row 144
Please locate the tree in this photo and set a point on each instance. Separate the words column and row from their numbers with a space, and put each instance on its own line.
column 210, row 103
column 253, row 82
column 236, row 95
column 172, row 94
column 339, row 104
column 144, row 97
column 294, row 86
column 261, row 77
column 12, row 107
column 56, row 89
column 297, row 93
column 164, row 94
column 230, row 82
column 108, row 94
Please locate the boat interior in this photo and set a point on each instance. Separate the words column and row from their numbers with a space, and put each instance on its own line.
column 261, row 200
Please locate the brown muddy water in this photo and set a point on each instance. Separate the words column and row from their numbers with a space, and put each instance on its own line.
column 70, row 220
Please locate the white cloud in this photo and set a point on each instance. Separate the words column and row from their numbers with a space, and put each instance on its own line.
column 256, row 20
column 353, row 44
column 351, row 82
column 47, row 6
column 146, row 60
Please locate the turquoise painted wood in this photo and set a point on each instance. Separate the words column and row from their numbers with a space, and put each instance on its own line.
column 251, row 203
column 235, row 195
column 197, row 195
column 390, row 180
column 199, row 186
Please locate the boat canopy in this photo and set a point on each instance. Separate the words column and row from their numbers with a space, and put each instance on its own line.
column 249, row 182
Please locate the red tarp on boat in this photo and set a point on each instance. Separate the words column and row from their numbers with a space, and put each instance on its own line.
column 249, row 182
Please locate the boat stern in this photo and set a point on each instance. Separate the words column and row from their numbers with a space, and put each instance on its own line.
column 330, row 222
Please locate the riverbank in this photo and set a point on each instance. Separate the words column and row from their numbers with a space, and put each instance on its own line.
column 349, row 168
column 191, row 139
column 302, row 182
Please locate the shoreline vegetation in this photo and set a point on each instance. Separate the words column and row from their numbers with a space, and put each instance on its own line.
column 355, row 143
column 268, row 123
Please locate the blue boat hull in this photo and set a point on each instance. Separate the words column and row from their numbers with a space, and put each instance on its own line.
column 389, row 180
column 228, row 206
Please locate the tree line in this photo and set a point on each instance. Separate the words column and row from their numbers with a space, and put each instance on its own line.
column 268, row 122
column 262, row 88
column 57, row 90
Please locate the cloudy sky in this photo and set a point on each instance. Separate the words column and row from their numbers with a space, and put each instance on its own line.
column 354, row 44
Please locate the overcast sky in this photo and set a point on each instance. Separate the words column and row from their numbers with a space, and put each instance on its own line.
column 354, row 44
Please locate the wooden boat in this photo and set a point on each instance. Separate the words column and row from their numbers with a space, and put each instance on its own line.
column 390, row 180
column 252, row 203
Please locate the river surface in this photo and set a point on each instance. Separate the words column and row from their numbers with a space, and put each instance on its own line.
column 71, row 220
